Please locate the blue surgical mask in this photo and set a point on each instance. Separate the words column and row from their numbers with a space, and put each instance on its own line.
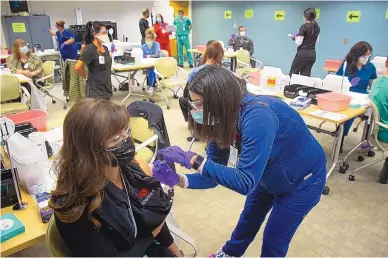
column 24, row 50
column 149, row 44
column 197, row 115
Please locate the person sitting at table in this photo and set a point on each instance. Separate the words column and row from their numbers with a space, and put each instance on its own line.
column 23, row 61
column 98, row 61
column 91, row 201
column 214, row 54
column 151, row 49
column 360, row 72
column 379, row 95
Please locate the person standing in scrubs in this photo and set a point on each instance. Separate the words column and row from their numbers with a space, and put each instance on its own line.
column 162, row 35
column 305, row 39
column 65, row 39
column 360, row 72
column 379, row 95
column 183, row 28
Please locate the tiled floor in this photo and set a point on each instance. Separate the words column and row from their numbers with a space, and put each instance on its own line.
column 351, row 221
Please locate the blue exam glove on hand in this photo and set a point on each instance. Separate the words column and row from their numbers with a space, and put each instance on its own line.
column 112, row 48
column 355, row 81
column 177, row 155
column 165, row 174
column 233, row 36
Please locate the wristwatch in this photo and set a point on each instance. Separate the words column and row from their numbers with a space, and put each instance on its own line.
column 198, row 162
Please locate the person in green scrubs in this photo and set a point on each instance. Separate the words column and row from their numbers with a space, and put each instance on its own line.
column 183, row 28
column 379, row 95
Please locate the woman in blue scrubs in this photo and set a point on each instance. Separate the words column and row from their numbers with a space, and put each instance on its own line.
column 281, row 166
column 360, row 72
column 65, row 39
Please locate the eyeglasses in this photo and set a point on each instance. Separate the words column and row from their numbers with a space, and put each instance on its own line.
column 120, row 140
column 198, row 105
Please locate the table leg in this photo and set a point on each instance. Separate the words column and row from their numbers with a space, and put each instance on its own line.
column 131, row 77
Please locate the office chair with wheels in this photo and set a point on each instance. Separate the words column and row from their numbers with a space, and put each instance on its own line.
column 48, row 80
column 55, row 58
column 382, row 146
column 11, row 90
column 244, row 63
column 166, row 68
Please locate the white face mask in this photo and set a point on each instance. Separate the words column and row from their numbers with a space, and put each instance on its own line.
column 103, row 38
column 158, row 19
column 363, row 59
column 242, row 33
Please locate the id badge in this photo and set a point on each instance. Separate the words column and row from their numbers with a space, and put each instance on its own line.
column 233, row 157
column 26, row 66
column 163, row 31
column 101, row 59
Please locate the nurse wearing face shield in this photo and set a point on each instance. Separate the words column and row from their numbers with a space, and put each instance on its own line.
column 359, row 71
column 98, row 61
column 273, row 159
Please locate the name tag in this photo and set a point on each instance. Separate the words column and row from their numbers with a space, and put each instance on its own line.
column 101, row 60
column 163, row 31
column 233, row 157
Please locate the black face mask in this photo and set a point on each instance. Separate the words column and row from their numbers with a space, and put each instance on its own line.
column 122, row 154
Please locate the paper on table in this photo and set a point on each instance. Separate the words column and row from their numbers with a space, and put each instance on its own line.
column 328, row 115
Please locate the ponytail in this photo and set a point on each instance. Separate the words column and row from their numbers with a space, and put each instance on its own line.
column 92, row 27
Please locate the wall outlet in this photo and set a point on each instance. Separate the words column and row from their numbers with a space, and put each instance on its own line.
column 234, row 25
column 345, row 41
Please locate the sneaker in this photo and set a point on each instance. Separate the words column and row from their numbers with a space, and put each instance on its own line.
column 191, row 66
column 219, row 254
column 181, row 66
column 150, row 90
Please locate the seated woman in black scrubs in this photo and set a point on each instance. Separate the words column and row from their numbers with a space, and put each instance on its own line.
column 92, row 208
column 98, row 61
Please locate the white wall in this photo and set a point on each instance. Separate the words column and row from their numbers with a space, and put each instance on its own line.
column 125, row 13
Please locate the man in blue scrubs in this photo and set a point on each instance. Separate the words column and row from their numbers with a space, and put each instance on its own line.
column 65, row 39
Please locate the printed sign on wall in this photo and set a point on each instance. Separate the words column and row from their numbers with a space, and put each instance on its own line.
column 386, row 14
column 228, row 14
column 18, row 27
column 353, row 16
column 249, row 14
column 279, row 15
column 318, row 13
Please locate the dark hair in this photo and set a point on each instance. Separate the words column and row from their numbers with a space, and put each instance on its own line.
column 214, row 51
column 240, row 27
column 60, row 23
column 161, row 16
column 358, row 50
column 310, row 14
column 222, row 93
column 92, row 27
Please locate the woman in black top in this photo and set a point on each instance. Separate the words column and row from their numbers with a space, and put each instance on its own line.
column 98, row 61
column 92, row 208
column 306, row 39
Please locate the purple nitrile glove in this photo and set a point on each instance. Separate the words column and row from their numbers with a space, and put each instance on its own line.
column 63, row 45
column 177, row 155
column 46, row 30
column 233, row 36
column 355, row 81
column 112, row 48
column 165, row 174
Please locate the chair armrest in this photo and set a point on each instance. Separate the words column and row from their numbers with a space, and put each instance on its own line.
column 382, row 125
column 147, row 142
column 45, row 78
column 243, row 63
column 159, row 74
column 180, row 234
column 257, row 62
column 25, row 92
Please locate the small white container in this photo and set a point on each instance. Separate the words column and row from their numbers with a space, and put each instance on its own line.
column 38, row 139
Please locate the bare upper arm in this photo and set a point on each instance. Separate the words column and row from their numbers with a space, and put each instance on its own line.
column 80, row 65
column 143, row 165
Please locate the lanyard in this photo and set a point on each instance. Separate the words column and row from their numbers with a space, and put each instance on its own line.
column 129, row 203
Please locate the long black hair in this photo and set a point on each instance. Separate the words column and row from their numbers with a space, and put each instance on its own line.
column 92, row 27
column 161, row 16
column 310, row 16
column 358, row 50
column 222, row 93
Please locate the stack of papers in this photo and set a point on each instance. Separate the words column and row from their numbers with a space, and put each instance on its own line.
column 328, row 115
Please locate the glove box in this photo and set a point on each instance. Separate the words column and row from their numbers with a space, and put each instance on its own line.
column 292, row 91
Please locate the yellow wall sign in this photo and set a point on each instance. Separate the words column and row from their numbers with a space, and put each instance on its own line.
column 279, row 15
column 386, row 14
column 353, row 16
column 18, row 27
column 318, row 13
column 249, row 14
column 228, row 15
